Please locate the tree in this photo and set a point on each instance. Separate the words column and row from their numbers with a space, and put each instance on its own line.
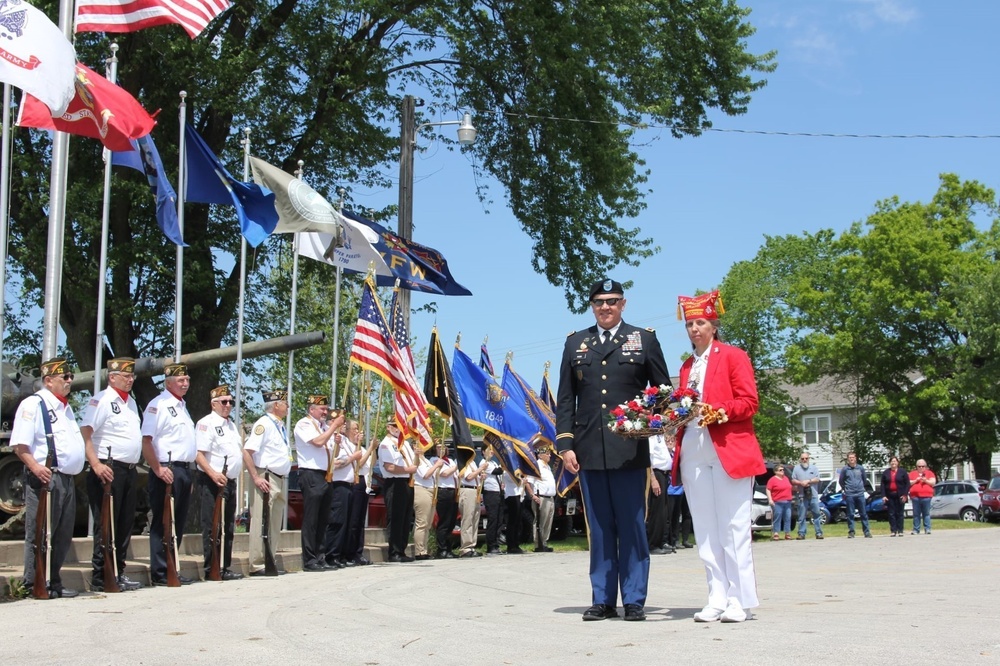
column 560, row 89
column 902, row 309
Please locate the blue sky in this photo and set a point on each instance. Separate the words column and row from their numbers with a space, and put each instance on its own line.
column 845, row 67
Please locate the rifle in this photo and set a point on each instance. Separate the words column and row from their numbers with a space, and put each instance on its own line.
column 270, row 567
column 43, row 517
column 108, row 536
column 218, row 515
column 169, row 542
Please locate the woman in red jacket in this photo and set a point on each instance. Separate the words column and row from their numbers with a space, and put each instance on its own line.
column 717, row 457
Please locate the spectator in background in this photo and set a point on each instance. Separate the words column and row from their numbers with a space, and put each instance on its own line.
column 895, row 488
column 922, row 482
column 852, row 481
column 779, row 495
column 661, row 459
column 678, row 517
column 805, row 482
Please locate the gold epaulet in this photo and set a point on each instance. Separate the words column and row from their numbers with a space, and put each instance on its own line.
column 651, row 330
column 570, row 333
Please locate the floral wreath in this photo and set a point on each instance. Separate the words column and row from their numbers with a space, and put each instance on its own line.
column 657, row 410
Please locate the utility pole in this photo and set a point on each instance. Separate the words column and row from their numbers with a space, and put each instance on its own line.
column 407, row 143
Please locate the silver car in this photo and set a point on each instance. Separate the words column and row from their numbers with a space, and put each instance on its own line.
column 956, row 499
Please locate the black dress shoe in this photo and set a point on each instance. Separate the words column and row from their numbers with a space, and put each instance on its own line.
column 599, row 612
column 184, row 579
column 494, row 551
column 634, row 613
column 657, row 551
column 126, row 584
column 421, row 558
column 362, row 561
column 515, row 551
column 333, row 564
column 228, row 574
column 313, row 568
column 471, row 553
column 348, row 563
column 62, row 592
column 688, row 545
column 400, row 559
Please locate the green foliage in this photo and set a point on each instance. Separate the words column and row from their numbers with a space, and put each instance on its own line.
column 901, row 310
column 14, row 590
column 321, row 81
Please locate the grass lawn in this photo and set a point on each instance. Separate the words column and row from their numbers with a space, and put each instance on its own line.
column 881, row 528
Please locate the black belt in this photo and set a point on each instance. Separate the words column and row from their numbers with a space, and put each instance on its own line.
column 175, row 464
column 546, row 496
column 274, row 474
column 470, row 487
column 119, row 464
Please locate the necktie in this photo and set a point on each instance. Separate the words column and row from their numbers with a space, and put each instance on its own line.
column 607, row 337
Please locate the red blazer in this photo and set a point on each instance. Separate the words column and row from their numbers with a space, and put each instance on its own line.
column 729, row 385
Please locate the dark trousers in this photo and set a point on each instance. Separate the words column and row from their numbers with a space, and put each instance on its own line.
column 182, row 498
column 123, row 490
column 209, row 491
column 492, row 502
column 615, row 502
column 656, row 513
column 317, row 496
column 337, row 526
column 398, row 507
column 678, row 527
column 447, row 512
column 512, row 508
column 62, row 502
column 355, row 547
column 894, row 503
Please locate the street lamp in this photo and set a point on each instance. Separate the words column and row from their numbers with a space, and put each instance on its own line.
column 407, row 144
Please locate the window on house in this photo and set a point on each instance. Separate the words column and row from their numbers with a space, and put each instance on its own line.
column 816, row 429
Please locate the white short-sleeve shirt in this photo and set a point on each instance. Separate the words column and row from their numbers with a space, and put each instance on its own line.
column 116, row 426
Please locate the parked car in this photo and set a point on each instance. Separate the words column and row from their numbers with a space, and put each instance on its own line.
column 956, row 499
column 832, row 498
column 991, row 500
column 761, row 515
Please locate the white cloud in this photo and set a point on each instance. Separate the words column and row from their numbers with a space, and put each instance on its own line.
column 872, row 13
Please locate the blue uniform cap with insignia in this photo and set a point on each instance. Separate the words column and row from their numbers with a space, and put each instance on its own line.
column 606, row 287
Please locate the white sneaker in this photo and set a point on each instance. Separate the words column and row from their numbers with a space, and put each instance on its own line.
column 734, row 613
column 708, row 614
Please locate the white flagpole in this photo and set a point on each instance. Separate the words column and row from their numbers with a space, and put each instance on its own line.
column 243, row 291
column 57, row 216
column 336, row 307
column 291, row 319
column 181, row 194
column 102, row 271
column 5, row 157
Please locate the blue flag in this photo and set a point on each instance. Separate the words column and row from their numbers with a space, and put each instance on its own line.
column 524, row 395
column 209, row 182
column 146, row 159
column 487, row 405
column 418, row 267
column 516, row 459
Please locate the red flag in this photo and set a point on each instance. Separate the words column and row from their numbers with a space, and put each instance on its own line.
column 100, row 110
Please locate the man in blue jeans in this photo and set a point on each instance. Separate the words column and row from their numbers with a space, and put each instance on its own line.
column 852, row 483
column 805, row 482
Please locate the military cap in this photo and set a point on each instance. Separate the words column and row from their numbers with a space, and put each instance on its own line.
column 175, row 370
column 274, row 396
column 606, row 286
column 55, row 366
column 220, row 392
column 321, row 400
column 121, row 364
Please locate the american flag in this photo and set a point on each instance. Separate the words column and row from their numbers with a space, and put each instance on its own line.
column 375, row 349
column 398, row 326
column 131, row 15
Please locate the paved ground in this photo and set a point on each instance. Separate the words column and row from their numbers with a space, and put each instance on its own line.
column 916, row 600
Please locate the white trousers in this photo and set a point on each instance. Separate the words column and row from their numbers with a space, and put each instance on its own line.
column 256, row 527
column 720, row 510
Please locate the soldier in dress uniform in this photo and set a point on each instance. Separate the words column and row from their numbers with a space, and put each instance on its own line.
column 220, row 462
column 603, row 366
column 112, row 431
column 46, row 411
column 169, row 448
column 268, row 459
column 313, row 434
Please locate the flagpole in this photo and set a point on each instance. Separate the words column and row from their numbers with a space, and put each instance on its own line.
column 291, row 318
column 181, row 194
column 57, row 216
column 336, row 309
column 111, row 70
column 5, row 156
column 243, row 290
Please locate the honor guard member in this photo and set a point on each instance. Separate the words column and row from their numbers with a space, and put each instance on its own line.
column 397, row 462
column 220, row 462
column 48, row 410
column 312, row 439
column 345, row 454
column 354, row 551
column 492, row 501
column 543, row 498
column 268, row 459
column 603, row 366
column 112, row 431
column 468, row 504
column 423, row 504
column 168, row 446
column 447, row 501
column 513, row 495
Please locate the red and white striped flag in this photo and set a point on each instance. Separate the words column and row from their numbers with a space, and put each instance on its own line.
column 133, row 15
column 375, row 349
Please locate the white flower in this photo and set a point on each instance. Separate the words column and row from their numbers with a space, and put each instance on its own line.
column 664, row 388
column 628, row 426
column 686, row 402
column 613, row 426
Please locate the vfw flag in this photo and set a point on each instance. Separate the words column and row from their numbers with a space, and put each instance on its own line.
column 35, row 56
